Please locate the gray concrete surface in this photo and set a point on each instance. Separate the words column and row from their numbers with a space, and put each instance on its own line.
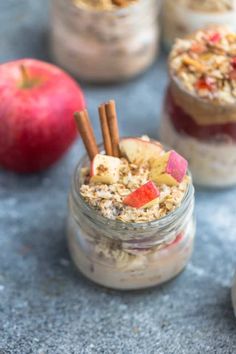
column 45, row 305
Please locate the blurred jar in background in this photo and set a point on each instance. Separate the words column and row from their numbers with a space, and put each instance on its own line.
column 199, row 113
column 181, row 17
column 105, row 40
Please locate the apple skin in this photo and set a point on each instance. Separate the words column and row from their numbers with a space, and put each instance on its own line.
column 36, row 124
column 178, row 238
column 137, row 150
column 169, row 169
column 176, row 166
column 144, row 197
column 105, row 169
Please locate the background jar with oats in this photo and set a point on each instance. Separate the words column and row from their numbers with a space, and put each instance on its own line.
column 103, row 41
column 181, row 17
column 123, row 255
column 199, row 116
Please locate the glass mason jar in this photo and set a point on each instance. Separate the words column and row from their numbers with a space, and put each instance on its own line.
column 128, row 255
column 104, row 45
column 181, row 17
column 204, row 132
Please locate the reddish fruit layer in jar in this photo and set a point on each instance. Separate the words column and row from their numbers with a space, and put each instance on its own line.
column 184, row 123
column 178, row 238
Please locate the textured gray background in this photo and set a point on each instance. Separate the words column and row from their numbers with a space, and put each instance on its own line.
column 45, row 305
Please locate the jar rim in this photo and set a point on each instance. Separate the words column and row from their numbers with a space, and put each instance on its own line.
column 118, row 10
column 93, row 214
column 204, row 11
column 174, row 80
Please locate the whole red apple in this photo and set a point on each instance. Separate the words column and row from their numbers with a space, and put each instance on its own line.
column 37, row 102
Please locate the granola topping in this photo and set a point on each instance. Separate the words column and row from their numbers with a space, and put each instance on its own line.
column 104, row 4
column 205, row 64
column 108, row 199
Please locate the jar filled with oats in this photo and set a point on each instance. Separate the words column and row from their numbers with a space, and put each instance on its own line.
column 199, row 116
column 104, row 40
column 124, row 247
column 181, row 17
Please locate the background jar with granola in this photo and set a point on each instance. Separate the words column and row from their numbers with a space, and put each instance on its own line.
column 181, row 17
column 128, row 255
column 199, row 116
column 105, row 40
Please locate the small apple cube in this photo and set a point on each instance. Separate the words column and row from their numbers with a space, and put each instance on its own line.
column 138, row 150
column 105, row 169
column 144, row 197
column 169, row 169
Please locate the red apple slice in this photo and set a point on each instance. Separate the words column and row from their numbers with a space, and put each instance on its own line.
column 105, row 169
column 144, row 197
column 137, row 150
column 169, row 169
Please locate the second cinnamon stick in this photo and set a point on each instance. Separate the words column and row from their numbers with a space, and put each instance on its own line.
column 113, row 127
column 105, row 129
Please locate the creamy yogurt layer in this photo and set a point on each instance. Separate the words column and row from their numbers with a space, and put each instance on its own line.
column 212, row 164
column 126, row 269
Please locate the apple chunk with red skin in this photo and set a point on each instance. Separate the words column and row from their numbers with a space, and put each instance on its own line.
column 169, row 169
column 105, row 169
column 36, row 114
column 137, row 150
column 144, row 197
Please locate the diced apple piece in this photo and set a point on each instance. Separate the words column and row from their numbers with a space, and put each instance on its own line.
column 137, row 150
column 169, row 169
column 144, row 197
column 105, row 169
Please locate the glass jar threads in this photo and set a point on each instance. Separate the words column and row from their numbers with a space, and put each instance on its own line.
column 104, row 44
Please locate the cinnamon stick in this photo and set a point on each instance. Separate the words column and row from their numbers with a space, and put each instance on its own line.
column 105, row 129
column 113, row 126
column 86, row 132
column 91, row 132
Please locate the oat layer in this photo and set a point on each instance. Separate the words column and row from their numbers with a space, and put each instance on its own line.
column 205, row 64
column 108, row 199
